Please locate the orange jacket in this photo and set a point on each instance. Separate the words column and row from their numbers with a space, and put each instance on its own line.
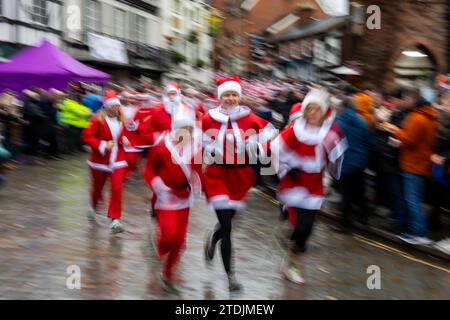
column 418, row 136
column 363, row 105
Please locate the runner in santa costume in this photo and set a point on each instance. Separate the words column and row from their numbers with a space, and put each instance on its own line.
column 173, row 172
column 232, row 135
column 136, row 117
column 300, row 155
column 161, row 120
column 107, row 160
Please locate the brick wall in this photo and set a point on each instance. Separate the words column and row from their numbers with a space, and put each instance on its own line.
column 263, row 15
column 405, row 25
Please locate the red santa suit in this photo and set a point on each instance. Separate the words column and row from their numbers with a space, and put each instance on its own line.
column 161, row 122
column 295, row 112
column 229, row 138
column 161, row 119
column 173, row 172
column 300, row 155
column 106, row 164
column 136, row 119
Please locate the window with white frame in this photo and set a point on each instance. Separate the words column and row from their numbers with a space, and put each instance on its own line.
column 92, row 15
column 176, row 5
column 119, row 23
column 140, row 24
column 40, row 12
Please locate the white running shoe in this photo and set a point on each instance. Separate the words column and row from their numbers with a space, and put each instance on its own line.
column 443, row 245
column 116, row 226
column 293, row 274
column 416, row 240
column 92, row 215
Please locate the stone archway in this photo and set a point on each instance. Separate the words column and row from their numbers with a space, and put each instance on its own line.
column 416, row 66
column 413, row 43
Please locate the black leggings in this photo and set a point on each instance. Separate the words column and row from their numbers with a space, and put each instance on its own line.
column 223, row 232
column 304, row 226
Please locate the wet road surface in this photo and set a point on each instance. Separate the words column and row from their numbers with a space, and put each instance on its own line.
column 44, row 229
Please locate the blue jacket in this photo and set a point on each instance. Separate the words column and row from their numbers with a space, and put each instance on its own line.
column 359, row 138
column 93, row 102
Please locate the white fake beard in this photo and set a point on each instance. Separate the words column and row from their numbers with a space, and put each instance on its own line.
column 171, row 104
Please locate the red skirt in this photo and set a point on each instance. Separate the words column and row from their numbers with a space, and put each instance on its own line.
column 227, row 186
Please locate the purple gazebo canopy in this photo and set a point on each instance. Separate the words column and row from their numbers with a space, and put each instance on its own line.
column 46, row 66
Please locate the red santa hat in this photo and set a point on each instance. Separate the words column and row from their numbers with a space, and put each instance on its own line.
column 172, row 86
column 110, row 100
column 318, row 96
column 229, row 84
column 296, row 112
column 109, row 94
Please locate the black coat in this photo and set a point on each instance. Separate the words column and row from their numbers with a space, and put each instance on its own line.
column 388, row 155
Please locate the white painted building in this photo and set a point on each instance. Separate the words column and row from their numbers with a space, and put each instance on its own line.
column 28, row 22
column 136, row 21
column 121, row 37
column 185, row 28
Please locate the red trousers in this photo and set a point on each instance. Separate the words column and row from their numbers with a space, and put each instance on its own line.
column 171, row 237
column 132, row 159
column 116, row 179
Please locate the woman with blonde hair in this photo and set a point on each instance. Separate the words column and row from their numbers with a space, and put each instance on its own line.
column 105, row 137
column 301, row 154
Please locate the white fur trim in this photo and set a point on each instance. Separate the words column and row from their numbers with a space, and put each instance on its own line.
column 338, row 150
column 299, row 197
column 158, row 185
column 229, row 86
column 131, row 149
column 111, row 102
column 102, row 148
column 107, row 168
column 223, row 202
column 295, row 116
column 171, row 87
column 308, row 136
column 165, row 199
column 219, row 116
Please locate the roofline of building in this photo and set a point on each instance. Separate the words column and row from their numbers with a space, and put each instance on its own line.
column 309, row 29
column 140, row 4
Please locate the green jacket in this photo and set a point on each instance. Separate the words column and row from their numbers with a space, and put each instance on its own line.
column 74, row 114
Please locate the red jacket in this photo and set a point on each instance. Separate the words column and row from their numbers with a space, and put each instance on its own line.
column 159, row 123
column 96, row 135
column 300, row 157
column 171, row 178
column 244, row 127
column 135, row 129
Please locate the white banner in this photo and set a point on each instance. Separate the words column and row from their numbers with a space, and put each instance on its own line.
column 105, row 48
column 72, row 20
